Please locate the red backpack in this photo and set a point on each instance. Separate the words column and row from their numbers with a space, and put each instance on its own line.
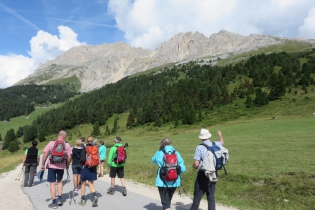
column 92, row 156
column 58, row 153
column 121, row 155
column 170, row 170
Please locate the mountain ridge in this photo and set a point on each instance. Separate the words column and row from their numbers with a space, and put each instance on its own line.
column 96, row 66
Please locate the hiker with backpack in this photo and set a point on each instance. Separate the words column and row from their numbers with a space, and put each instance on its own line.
column 89, row 160
column 30, row 162
column 76, row 165
column 203, row 184
column 171, row 166
column 116, row 162
column 58, row 153
column 102, row 151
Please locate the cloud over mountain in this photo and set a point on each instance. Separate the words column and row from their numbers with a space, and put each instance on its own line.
column 43, row 46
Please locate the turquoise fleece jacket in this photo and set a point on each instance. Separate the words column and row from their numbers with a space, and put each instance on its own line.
column 102, row 151
column 158, row 160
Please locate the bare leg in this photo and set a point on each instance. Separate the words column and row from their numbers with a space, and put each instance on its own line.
column 53, row 190
column 59, row 186
column 83, row 187
column 123, row 182
column 102, row 168
column 91, row 186
column 112, row 182
column 75, row 180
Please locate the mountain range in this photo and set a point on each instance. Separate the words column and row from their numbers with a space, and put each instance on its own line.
column 96, row 66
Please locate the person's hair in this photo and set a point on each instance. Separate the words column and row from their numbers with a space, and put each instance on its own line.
column 34, row 143
column 78, row 142
column 62, row 134
column 118, row 138
column 82, row 139
column 101, row 143
column 89, row 140
column 164, row 142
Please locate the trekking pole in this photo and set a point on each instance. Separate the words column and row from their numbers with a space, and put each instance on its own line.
column 19, row 174
column 68, row 179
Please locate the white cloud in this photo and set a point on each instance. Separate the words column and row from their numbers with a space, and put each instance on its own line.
column 307, row 30
column 149, row 22
column 43, row 46
column 14, row 68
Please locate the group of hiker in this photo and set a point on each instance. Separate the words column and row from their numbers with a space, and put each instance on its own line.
column 88, row 163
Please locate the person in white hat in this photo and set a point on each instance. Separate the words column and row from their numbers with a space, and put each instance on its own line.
column 202, row 183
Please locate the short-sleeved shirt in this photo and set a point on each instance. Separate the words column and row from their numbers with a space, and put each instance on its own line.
column 201, row 150
column 62, row 165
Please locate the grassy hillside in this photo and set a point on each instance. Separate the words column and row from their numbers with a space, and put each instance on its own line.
column 271, row 164
column 71, row 80
column 287, row 46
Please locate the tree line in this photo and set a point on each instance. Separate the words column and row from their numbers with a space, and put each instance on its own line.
column 21, row 100
column 180, row 94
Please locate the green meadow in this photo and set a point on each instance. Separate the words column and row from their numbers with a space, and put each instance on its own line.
column 271, row 161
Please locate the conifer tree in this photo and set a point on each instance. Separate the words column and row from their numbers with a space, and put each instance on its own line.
column 107, row 132
column 19, row 132
column 249, row 102
column 114, row 130
column 14, row 146
column 131, row 120
column 96, row 129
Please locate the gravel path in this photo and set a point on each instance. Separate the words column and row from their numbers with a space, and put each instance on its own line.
column 139, row 196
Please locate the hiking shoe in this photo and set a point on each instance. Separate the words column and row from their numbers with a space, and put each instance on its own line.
column 94, row 202
column 59, row 202
column 124, row 191
column 110, row 191
column 53, row 205
column 82, row 202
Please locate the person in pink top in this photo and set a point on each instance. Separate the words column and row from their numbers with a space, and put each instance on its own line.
column 56, row 169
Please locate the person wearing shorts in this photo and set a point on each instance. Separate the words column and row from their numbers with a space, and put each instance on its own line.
column 115, row 169
column 88, row 174
column 76, row 165
column 56, row 170
column 102, row 151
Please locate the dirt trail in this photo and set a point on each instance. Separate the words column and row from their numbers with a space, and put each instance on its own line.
column 140, row 196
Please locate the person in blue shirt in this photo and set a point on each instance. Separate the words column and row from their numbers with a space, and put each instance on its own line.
column 102, row 151
column 203, row 184
column 167, row 188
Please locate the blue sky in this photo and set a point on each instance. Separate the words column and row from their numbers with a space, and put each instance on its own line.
column 33, row 31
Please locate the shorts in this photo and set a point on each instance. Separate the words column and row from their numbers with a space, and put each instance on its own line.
column 55, row 174
column 88, row 174
column 116, row 170
column 76, row 169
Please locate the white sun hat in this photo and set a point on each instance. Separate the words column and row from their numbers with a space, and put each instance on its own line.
column 204, row 134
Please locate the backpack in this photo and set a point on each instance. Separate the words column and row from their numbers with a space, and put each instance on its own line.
column 221, row 156
column 120, row 155
column 92, row 156
column 170, row 170
column 58, row 153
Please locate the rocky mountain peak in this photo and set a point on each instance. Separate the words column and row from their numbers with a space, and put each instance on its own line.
column 106, row 63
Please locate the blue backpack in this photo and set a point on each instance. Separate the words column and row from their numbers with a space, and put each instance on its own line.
column 220, row 157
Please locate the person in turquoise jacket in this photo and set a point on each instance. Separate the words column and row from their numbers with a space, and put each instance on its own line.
column 115, row 168
column 102, row 151
column 167, row 188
